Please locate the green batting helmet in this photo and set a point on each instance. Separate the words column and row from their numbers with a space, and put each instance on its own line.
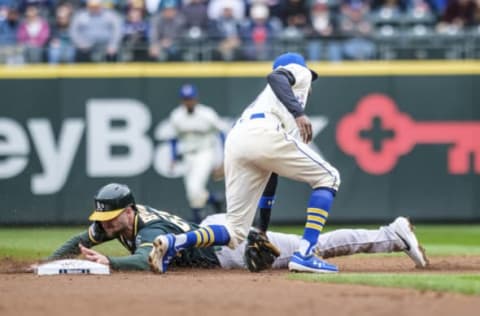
column 110, row 201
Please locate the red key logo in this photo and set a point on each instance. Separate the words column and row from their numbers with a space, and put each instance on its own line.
column 378, row 114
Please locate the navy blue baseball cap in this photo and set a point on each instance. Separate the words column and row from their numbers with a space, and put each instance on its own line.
column 188, row 91
column 292, row 58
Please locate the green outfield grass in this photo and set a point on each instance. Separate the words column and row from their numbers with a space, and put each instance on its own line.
column 36, row 243
column 460, row 283
column 439, row 240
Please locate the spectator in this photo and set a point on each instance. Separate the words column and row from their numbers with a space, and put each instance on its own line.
column 438, row 6
column 295, row 16
column 152, row 6
column 458, row 15
column 61, row 48
column 274, row 6
column 46, row 8
column 420, row 16
column 10, row 52
column 135, row 34
column 216, row 9
column 196, row 34
column 324, row 26
column 96, row 33
column 33, row 34
column 350, row 7
column 393, row 5
column 295, row 13
column 226, row 31
column 167, row 28
column 422, row 6
column 196, row 17
column 8, row 26
column 477, row 14
column 387, row 16
column 259, row 32
column 355, row 25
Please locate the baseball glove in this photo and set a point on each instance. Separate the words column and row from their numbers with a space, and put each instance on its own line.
column 259, row 252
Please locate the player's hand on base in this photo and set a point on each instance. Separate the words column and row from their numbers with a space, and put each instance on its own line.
column 305, row 128
column 93, row 255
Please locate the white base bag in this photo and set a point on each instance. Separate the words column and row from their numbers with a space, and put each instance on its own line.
column 72, row 266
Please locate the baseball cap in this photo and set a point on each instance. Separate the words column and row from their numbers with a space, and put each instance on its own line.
column 110, row 201
column 188, row 91
column 167, row 4
column 292, row 58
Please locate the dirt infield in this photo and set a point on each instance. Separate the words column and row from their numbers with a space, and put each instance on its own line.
column 235, row 292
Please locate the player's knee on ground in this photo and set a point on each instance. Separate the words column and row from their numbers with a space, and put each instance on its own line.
column 328, row 180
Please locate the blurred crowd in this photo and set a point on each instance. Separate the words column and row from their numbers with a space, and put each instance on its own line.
column 66, row 31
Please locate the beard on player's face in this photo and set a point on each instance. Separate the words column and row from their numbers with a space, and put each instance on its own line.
column 116, row 226
column 190, row 104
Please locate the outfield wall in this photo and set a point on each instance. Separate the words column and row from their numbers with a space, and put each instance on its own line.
column 404, row 136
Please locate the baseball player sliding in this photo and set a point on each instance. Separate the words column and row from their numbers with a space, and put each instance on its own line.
column 196, row 127
column 117, row 216
column 265, row 141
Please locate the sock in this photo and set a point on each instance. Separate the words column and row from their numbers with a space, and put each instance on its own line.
column 210, row 235
column 197, row 218
column 265, row 204
column 317, row 214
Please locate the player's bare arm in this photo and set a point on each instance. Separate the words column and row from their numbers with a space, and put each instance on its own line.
column 305, row 128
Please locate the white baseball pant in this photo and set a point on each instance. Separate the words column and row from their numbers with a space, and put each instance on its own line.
column 336, row 243
column 198, row 167
column 253, row 150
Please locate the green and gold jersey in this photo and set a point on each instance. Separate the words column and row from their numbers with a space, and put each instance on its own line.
column 148, row 224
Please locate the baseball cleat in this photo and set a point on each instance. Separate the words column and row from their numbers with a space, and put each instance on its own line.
column 311, row 263
column 404, row 230
column 162, row 253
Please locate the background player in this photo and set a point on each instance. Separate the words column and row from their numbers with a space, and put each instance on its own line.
column 197, row 128
column 261, row 143
column 117, row 216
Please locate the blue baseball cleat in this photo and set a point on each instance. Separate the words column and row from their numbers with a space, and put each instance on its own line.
column 162, row 253
column 311, row 263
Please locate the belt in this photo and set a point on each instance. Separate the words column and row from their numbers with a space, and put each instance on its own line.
column 252, row 117
column 257, row 116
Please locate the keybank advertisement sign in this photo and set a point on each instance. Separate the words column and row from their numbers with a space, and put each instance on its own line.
column 117, row 144
column 403, row 146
